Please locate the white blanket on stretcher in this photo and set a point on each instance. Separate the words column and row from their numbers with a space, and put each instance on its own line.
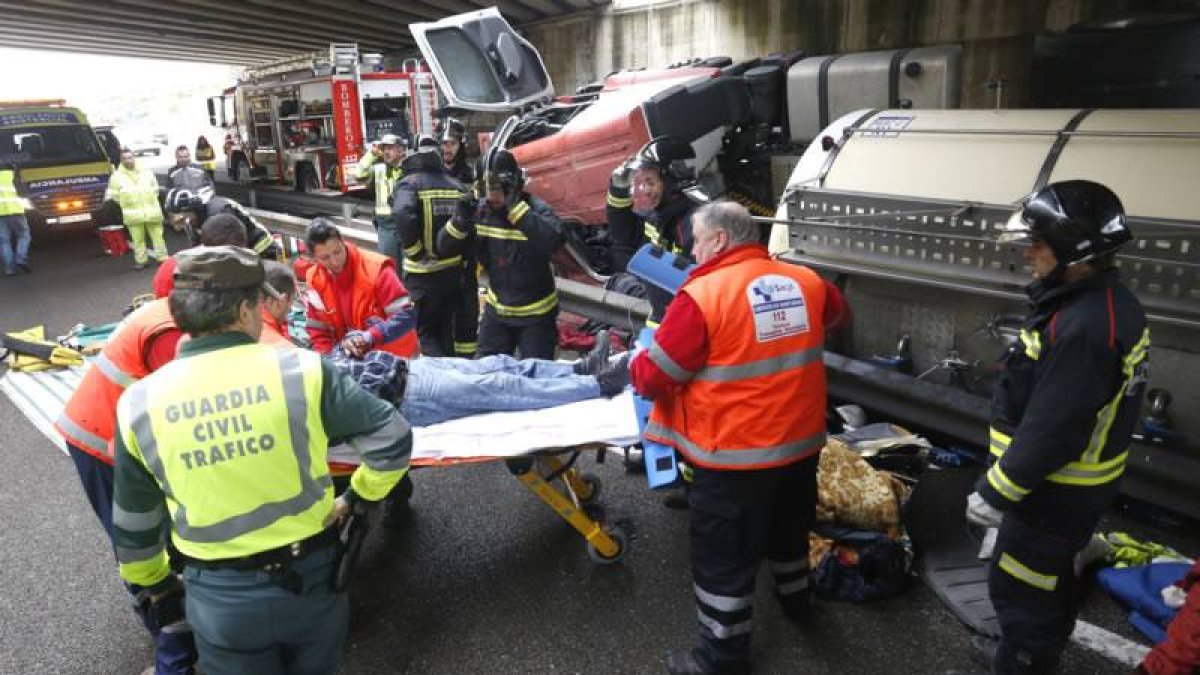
column 41, row 397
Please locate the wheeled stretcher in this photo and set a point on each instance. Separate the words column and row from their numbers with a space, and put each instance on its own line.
column 539, row 447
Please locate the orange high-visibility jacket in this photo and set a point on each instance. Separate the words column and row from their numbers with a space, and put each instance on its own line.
column 366, row 266
column 89, row 419
column 759, row 400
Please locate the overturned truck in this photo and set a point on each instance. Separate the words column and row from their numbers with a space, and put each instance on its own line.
column 902, row 209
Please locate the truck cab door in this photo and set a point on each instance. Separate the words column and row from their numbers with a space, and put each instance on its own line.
column 481, row 63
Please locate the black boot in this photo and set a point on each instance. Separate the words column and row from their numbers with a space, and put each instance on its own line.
column 615, row 377
column 687, row 663
column 596, row 359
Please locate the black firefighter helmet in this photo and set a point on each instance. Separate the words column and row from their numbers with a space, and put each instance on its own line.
column 498, row 169
column 1079, row 220
column 667, row 155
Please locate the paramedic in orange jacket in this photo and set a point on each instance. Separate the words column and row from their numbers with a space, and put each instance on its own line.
column 144, row 342
column 736, row 375
column 355, row 298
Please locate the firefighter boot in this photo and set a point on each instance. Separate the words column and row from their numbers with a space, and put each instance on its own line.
column 1011, row 660
column 596, row 359
column 688, row 663
column 615, row 377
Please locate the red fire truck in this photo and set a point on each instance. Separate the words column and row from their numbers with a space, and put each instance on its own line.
column 304, row 122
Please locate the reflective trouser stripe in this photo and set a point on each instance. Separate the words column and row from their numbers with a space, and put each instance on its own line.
column 790, row 577
column 722, row 603
column 1004, row 485
column 721, row 631
column 739, row 457
column 532, row 309
column 465, row 347
column 1045, row 582
column 311, row 490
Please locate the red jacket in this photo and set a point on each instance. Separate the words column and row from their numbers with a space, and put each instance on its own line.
column 365, row 296
column 1179, row 654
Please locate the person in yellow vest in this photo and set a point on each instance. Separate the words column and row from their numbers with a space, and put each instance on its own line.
column 206, row 156
column 380, row 166
column 14, row 228
column 227, row 446
column 736, row 375
column 135, row 190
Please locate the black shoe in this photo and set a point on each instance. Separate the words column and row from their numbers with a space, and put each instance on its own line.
column 25, row 268
column 614, row 377
column 686, row 663
column 596, row 359
column 798, row 607
column 676, row 498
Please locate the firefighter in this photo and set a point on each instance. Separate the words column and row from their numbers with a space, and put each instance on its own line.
column 1062, row 416
column 381, row 167
column 513, row 235
column 197, row 206
column 144, row 342
column 14, row 228
column 135, row 190
column 234, row 418
column 646, row 203
column 425, row 199
column 466, row 318
column 736, row 376
column 355, row 299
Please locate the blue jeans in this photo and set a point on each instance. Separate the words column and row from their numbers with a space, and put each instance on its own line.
column 441, row 389
column 14, row 229
column 174, row 652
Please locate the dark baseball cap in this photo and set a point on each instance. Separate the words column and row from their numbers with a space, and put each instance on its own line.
column 220, row 268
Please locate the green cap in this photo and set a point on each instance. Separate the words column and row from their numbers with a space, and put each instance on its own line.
column 220, row 268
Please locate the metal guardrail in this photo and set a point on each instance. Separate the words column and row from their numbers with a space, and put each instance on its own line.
column 591, row 302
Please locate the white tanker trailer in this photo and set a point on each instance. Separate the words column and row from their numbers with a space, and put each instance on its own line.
column 901, row 208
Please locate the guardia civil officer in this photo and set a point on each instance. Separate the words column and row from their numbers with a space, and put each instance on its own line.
column 424, row 200
column 1062, row 415
column 513, row 234
column 738, row 384
column 227, row 446
column 380, row 166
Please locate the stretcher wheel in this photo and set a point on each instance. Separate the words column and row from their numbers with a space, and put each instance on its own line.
column 594, row 484
column 622, row 540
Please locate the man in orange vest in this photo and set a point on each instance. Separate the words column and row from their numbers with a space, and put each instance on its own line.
column 355, row 298
column 736, row 375
column 144, row 342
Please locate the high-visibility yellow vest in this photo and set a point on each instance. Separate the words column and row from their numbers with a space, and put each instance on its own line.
column 136, row 190
column 385, row 178
column 10, row 202
column 235, row 440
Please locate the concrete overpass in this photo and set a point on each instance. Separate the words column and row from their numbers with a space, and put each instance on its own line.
column 241, row 32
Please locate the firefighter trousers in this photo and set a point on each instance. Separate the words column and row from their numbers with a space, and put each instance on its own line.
column 531, row 337
column 437, row 296
column 466, row 315
column 1032, row 583
column 738, row 519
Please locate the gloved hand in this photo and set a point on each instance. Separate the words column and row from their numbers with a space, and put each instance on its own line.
column 622, row 177
column 464, row 212
column 982, row 513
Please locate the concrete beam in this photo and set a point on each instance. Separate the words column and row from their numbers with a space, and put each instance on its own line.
column 80, row 47
column 246, row 12
column 118, row 39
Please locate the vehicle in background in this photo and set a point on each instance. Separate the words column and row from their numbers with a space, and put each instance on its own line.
column 58, row 157
column 110, row 143
column 304, row 122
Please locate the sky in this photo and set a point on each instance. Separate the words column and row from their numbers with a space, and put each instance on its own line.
column 158, row 95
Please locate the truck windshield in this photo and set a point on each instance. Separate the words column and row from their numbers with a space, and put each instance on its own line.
column 50, row 145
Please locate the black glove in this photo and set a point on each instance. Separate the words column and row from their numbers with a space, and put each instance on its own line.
column 622, row 177
column 464, row 211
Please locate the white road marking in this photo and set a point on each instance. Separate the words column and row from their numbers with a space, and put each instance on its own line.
column 1109, row 644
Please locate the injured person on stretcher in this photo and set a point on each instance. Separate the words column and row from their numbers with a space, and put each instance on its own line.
column 429, row 390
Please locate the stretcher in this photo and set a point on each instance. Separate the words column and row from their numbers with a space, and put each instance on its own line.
column 540, row 447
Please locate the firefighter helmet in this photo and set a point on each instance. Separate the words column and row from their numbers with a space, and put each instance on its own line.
column 499, row 168
column 453, row 130
column 179, row 200
column 1078, row 219
column 667, row 155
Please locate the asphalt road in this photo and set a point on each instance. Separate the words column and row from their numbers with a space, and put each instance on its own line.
column 483, row 578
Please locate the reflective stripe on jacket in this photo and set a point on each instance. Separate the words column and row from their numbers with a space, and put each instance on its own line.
column 384, row 178
column 234, row 438
column 10, row 201
column 365, row 308
column 89, row 418
column 136, row 191
column 759, row 400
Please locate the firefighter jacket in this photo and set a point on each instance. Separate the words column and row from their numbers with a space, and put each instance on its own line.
column 136, row 192
column 514, row 248
column 11, row 203
column 88, row 420
column 230, row 439
column 389, row 321
column 1067, row 402
column 383, row 177
column 258, row 237
column 669, row 226
column 190, row 176
column 461, row 171
column 424, row 201
column 750, row 390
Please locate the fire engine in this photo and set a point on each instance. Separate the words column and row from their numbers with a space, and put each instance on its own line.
column 303, row 122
